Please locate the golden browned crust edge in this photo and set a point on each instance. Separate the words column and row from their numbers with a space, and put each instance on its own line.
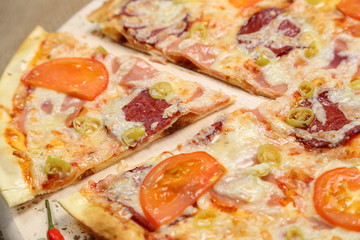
column 13, row 186
column 100, row 221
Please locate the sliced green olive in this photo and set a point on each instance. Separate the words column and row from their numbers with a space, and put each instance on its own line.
column 86, row 125
column 355, row 84
column 300, row 117
column 262, row 169
column 314, row 2
column 311, row 51
column 306, row 89
column 161, row 90
column 101, row 49
column 268, row 153
column 262, row 60
column 204, row 218
column 294, row 233
column 56, row 165
column 198, row 29
column 131, row 136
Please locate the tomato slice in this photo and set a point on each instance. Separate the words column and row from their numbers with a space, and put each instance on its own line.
column 350, row 8
column 83, row 78
column 176, row 183
column 243, row 3
column 355, row 30
column 337, row 197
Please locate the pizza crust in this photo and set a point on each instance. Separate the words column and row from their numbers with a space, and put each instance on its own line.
column 13, row 186
column 100, row 221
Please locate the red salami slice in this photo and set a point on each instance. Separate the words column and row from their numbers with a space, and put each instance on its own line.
column 280, row 51
column 335, row 121
column 338, row 58
column 261, row 19
column 287, row 28
column 147, row 110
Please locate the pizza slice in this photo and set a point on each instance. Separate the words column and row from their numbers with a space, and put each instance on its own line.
column 262, row 46
column 68, row 110
column 237, row 179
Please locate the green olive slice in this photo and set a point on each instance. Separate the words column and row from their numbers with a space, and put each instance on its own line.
column 262, row 60
column 294, row 233
column 131, row 136
column 199, row 29
column 311, row 51
column 355, row 84
column 268, row 153
column 56, row 165
column 300, row 117
column 161, row 90
column 86, row 125
column 204, row 218
column 306, row 89
column 102, row 50
column 314, row 2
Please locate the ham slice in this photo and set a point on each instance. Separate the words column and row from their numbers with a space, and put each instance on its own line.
column 140, row 71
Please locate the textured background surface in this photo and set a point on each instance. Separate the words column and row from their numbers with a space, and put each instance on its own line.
column 19, row 17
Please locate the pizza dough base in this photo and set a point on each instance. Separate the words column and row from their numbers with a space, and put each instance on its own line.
column 100, row 221
column 13, row 186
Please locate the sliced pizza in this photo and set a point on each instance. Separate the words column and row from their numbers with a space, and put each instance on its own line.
column 323, row 119
column 69, row 110
column 264, row 46
column 237, row 179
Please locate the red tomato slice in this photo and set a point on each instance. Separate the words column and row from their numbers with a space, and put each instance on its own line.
column 350, row 8
column 176, row 183
column 336, row 197
column 243, row 3
column 355, row 30
column 83, row 78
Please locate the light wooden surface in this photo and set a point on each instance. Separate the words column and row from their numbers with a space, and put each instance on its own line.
column 19, row 17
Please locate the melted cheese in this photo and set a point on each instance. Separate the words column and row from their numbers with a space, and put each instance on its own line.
column 114, row 117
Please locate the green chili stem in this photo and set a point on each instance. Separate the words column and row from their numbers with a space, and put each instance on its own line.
column 50, row 222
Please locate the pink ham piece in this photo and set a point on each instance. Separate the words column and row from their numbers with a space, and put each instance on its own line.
column 140, row 71
column 277, row 90
column 47, row 107
column 198, row 54
column 76, row 104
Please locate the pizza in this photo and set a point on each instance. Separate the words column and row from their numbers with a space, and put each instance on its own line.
column 288, row 169
column 69, row 110
column 266, row 47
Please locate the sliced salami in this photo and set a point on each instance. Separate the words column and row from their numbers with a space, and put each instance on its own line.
column 285, row 29
column 335, row 129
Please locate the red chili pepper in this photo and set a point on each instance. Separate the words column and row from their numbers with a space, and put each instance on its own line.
column 52, row 233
